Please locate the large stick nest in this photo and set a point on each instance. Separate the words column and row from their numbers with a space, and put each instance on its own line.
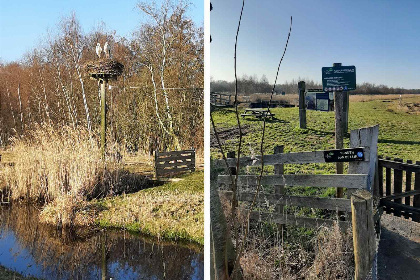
column 107, row 67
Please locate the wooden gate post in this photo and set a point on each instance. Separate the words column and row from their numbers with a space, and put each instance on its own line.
column 233, row 171
column 302, row 105
column 279, row 189
column 339, row 129
column 365, row 137
column 364, row 242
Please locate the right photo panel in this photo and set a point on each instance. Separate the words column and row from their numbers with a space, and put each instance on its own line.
column 315, row 139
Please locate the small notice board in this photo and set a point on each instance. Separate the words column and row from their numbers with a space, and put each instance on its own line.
column 344, row 155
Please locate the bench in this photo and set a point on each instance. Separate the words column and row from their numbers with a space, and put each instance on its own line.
column 258, row 113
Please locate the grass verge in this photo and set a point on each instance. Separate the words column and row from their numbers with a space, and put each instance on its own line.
column 172, row 211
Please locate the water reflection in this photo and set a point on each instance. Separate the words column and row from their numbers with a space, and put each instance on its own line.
column 37, row 250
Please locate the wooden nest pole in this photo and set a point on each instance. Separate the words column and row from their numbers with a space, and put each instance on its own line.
column 103, row 71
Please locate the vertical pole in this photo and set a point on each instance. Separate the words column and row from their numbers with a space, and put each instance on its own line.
column 103, row 117
column 302, row 105
column 363, row 233
column 380, row 178
column 156, row 164
column 279, row 189
column 408, row 186
column 339, row 129
column 398, row 182
column 233, row 173
column 345, row 111
column 416, row 200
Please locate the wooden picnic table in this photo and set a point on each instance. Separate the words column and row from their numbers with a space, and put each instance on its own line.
column 257, row 112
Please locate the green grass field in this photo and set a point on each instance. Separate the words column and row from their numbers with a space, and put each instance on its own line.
column 399, row 131
column 399, row 135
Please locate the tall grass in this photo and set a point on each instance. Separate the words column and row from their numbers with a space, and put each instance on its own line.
column 51, row 163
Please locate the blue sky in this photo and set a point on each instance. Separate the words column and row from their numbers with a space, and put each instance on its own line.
column 380, row 37
column 24, row 23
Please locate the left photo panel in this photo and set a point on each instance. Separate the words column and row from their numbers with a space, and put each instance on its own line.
column 102, row 140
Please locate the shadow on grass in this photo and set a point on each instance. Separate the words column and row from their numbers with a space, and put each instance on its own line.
column 117, row 182
column 401, row 142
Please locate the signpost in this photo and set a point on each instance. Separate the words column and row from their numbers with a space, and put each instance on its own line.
column 339, row 79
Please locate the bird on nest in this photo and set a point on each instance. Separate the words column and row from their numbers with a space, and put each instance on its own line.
column 98, row 50
column 106, row 49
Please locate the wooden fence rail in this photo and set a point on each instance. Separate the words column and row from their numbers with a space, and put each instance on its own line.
column 221, row 99
column 362, row 158
column 171, row 163
column 398, row 187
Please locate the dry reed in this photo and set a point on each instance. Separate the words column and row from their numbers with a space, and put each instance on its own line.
column 50, row 163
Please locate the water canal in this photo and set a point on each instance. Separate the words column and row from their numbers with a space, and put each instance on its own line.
column 33, row 249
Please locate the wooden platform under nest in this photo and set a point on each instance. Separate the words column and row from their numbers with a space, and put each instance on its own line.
column 104, row 69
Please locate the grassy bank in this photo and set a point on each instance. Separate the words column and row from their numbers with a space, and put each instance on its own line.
column 6, row 274
column 173, row 211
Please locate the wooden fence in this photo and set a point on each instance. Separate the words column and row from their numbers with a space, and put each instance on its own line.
column 171, row 163
column 400, row 180
column 359, row 183
column 221, row 99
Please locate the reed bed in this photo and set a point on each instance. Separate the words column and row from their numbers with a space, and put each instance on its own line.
column 51, row 163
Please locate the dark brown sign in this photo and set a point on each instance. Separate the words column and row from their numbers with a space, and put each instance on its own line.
column 344, row 155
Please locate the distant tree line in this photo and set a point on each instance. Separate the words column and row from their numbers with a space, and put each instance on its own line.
column 156, row 103
column 248, row 85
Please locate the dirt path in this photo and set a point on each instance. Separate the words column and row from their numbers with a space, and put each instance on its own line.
column 399, row 249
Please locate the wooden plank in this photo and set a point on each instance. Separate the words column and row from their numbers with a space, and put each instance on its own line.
column 400, row 207
column 388, row 183
column 175, row 157
column 341, row 204
column 176, row 167
column 190, row 167
column 173, row 170
column 296, row 221
column 399, row 165
column 404, row 194
column 284, row 158
column 365, row 137
column 416, row 200
column 353, row 181
column 398, row 176
column 176, row 153
column 408, row 186
column 173, row 164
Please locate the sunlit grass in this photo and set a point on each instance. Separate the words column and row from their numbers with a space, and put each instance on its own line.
column 173, row 211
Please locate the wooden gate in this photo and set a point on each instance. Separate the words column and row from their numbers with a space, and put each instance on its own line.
column 362, row 158
column 171, row 163
column 402, row 181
